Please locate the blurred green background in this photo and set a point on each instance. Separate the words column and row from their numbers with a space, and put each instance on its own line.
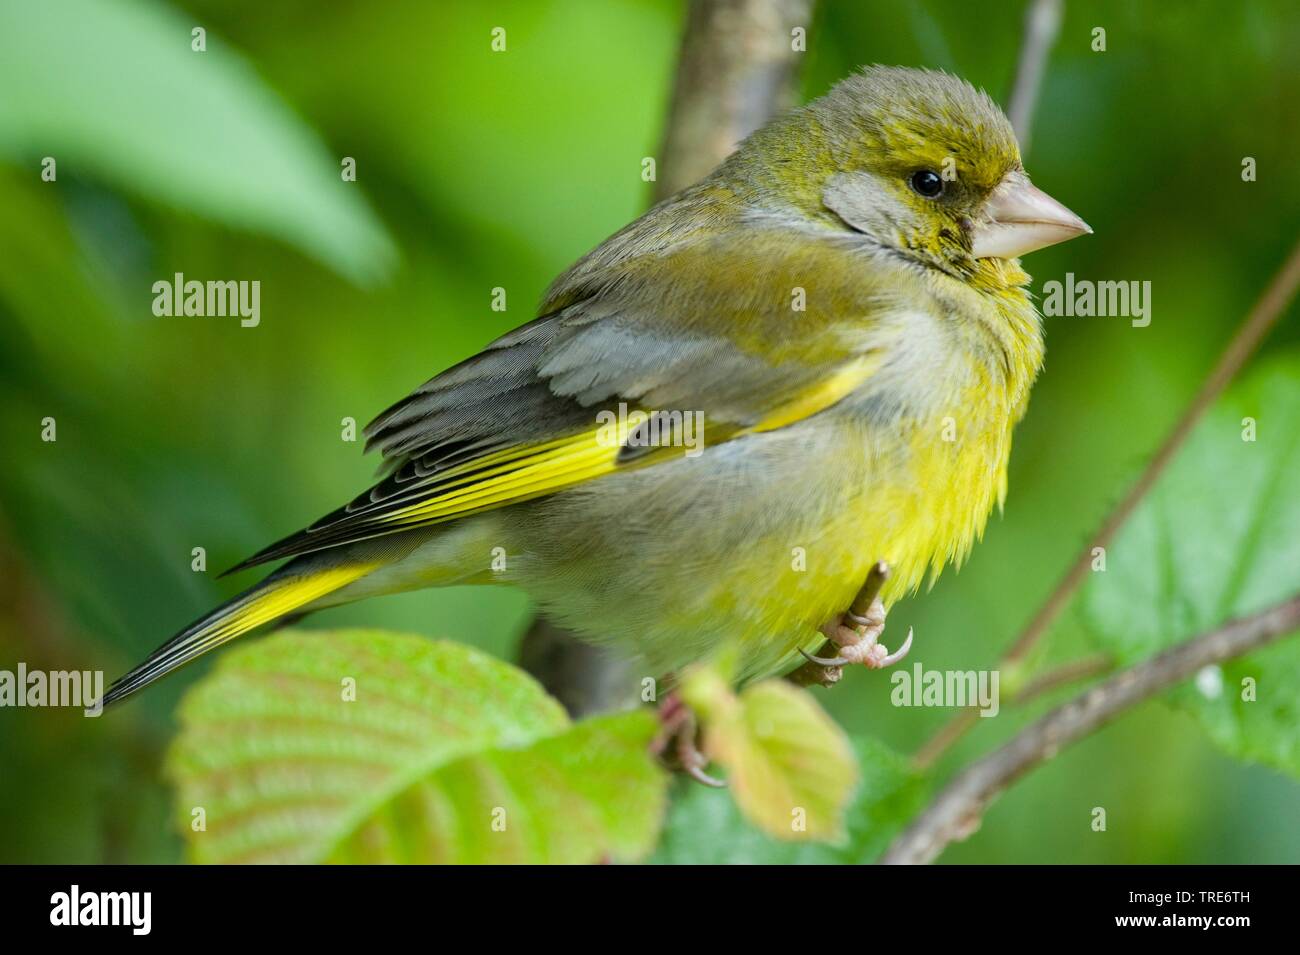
column 477, row 170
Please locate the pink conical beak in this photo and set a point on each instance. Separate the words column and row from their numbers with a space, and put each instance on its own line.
column 1019, row 218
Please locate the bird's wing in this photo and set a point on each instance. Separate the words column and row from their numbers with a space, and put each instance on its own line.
column 754, row 337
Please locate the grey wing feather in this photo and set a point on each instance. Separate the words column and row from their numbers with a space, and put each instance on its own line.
column 599, row 345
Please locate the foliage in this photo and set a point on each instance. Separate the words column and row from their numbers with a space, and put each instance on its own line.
column 1219, row 538
column 367, row 746
column 789, row 765
column 705, row 826
column 91, row 98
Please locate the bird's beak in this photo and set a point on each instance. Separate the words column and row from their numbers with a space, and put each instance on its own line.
column 1018, row 218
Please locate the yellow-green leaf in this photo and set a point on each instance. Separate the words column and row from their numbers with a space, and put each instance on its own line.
column 366, row 745
column 588, row 793
column 790, row 767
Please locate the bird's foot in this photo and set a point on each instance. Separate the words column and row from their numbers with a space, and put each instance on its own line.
column 857, row 640
column 675, row 745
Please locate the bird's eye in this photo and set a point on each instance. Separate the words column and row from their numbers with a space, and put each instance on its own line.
column 927, row 183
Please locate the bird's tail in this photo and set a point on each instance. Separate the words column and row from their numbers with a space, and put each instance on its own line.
column 290, row 588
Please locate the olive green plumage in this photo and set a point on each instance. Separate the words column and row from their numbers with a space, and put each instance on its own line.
column 857, row 364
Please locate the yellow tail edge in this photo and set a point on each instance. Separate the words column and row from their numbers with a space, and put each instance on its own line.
column 280, row 594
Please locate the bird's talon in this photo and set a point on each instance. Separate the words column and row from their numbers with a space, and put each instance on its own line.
column 677, row 727
column 877, row 656
column 700, row 776
column 890, row 659
column 856, row 636
column 825, row 661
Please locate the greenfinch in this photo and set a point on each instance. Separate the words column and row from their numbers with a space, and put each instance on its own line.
column 728, row 412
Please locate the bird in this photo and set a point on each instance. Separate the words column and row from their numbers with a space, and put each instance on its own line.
column 725, row 415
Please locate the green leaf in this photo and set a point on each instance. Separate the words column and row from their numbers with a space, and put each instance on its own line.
column 114, row 91
column 443, row 755
column 789, row 766
column 705, row 827
column 1216, row 539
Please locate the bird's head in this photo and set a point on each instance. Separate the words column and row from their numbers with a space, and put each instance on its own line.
column 920, row 162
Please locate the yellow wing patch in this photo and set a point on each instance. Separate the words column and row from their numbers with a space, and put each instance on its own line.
column 520, row 474
column 822, row 395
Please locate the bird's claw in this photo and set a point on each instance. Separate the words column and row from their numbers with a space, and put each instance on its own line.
column 873, row 655
column 857, row 635
column 824, row 661
column 678, row 730
column 700, row 776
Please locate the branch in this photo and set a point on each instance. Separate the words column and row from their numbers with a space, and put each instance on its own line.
column 1073, row 672
column 1042, row 23
column 1262, row 317
column 737, row 67
column 956, row 812
column 586, row 679
column 957, row 727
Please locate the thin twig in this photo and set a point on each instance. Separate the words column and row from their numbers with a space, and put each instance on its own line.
column 1262, row 317
column 955, row 728
column 1066, row 673
column 956, row 812
column 811, row 673
column 870, row 589
column 1042, row 23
